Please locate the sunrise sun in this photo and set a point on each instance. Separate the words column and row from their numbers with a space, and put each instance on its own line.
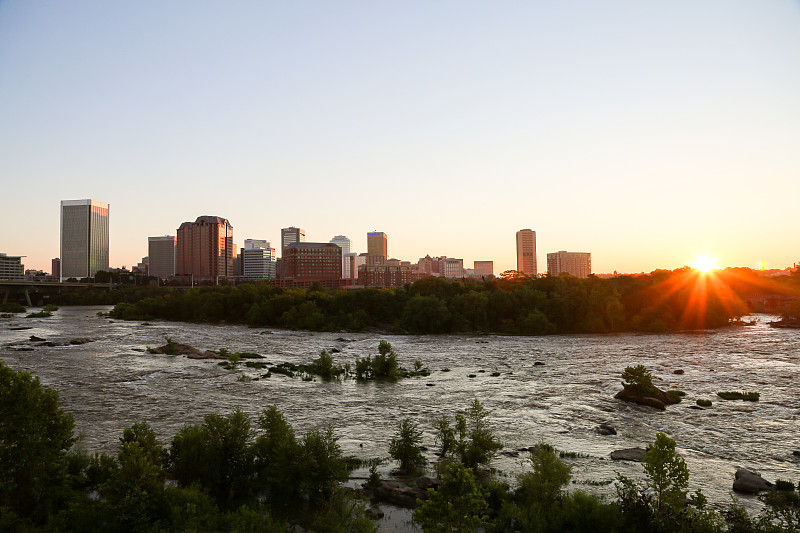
column 704, row 263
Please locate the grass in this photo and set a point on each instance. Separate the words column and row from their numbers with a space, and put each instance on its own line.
column 40, row 314
column 677, row 394
column 737, row 395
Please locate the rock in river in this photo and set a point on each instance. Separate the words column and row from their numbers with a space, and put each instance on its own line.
column 605, row 429
column 629, row 454
column 750, row 483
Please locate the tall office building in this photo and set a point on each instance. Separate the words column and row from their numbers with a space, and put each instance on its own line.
column 579, row 264
column 161, row 254
column 55, row 267
column 526, row 252
column 204, row 249
column 342, row 242
column 84, row 238
column 376, row 248
column 291, row 235
column 258, row 259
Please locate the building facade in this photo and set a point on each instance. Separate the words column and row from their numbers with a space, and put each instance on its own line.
column 258, row 260
column 382, row 276
column 483, row 269
column 84, row 238
column 312, row 261
column 291, row 235
column 161, row 256
column 377, row 249
column 55, row 268
column 451, row 268
column 11, row 267
column 204, row 249
column 526, row 252
column 578, row 264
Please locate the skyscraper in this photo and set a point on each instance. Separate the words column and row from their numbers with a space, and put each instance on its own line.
column 291, row 235
column 376, row 248
column 161, row 254
column 84, row 238
column 204, row 249
column 258, row 259
column 342, row 242
column 526, row 252
column 579, row 264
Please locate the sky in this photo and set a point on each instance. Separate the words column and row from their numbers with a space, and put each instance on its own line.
column 646, row 133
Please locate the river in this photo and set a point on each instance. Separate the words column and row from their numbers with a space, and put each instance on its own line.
column 111, row 382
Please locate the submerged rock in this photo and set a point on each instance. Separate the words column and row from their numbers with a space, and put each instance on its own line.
column 605, row 429
column 79, row 340
column 678, row 372
column 190, row 352
column 749, row 482
column 629, row 454
column 34, row 338
column 399, row 494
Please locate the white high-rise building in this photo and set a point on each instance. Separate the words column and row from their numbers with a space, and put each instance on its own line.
column 526, row 252
column 451, row 268
column 84, row 238
column 342, row 242
column 258, row 259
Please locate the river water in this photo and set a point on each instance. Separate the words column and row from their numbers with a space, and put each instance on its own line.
column 110, row 383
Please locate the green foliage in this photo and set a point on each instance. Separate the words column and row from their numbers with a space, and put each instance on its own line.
column 456, row 506
column 11, row 307
column 734, row 395
column 217, row 455
column 382, row 366
column 704, row 403
column 469, row 440
column 404, row 446
column 323, row 366
column 35, row 435
column 548, row 478
column 781, row 512
column 50, row 308
column 39, row 314
column 638, row 378
column 667, row 473
column 342, row 513
column 374, row 479
column 535, row 306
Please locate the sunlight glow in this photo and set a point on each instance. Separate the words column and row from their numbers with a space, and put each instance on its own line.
column 704, row 263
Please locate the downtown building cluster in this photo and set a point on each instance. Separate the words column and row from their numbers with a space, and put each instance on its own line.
column 203, row 251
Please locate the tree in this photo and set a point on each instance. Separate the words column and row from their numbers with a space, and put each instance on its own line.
column 404, row 446
column 217, row 455
column 667, row 474
column 548, row 478
column 471, row 441
column 456, row 506
column 35, row 435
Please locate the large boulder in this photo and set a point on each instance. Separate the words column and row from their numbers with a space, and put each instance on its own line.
column 399, row 494
column 748, row 482
column 191, row 352
column 652, row 397
column 629, row 454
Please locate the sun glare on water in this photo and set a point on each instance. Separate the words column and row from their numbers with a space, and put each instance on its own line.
column 704, row 263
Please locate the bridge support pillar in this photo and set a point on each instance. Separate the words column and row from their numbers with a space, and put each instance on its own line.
column 5, row 294
column 28, row 297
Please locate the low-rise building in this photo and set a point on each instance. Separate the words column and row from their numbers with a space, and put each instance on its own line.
column 313, row 261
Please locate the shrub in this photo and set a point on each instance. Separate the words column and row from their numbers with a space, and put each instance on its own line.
column 735, row 395
column 667, row 473
column 50, row 308
column 12, row 307
column 404, row 446
column 457, row 505
column 471, row 440
column 323, row 366
column 638, row 378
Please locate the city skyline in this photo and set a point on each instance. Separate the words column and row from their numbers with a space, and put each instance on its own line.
column 647, row 134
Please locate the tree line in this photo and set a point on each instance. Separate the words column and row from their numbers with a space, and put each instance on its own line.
column 657, row 302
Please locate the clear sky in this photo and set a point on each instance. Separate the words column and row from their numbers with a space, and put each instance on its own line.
column 644, row 132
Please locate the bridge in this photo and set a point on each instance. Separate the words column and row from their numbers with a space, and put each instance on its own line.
column 8, row 287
